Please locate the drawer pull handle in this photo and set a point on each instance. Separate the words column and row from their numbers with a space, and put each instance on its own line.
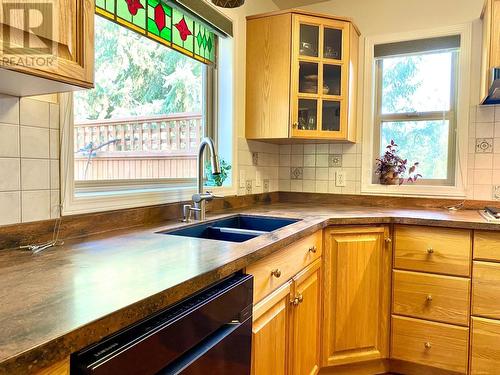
column 427, row 345
column 313, row 249
column 276, row 273
column 428, row 298
column 430, row 250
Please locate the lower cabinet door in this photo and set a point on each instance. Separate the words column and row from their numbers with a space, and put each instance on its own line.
column 357, row 291
column 485, row 347
column 305, row 318
column 270, row 333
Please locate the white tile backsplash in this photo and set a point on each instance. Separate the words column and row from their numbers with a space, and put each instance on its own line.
column 29, row 160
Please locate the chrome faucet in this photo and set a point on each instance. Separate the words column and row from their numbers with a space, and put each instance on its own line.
column 200, row 198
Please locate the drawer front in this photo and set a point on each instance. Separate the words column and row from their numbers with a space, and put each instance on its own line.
column 428, row 249
column 276, row 269
column 433, row 297
column 486, row 289
column 485, row 351
column 432, row 344
column 487, row 245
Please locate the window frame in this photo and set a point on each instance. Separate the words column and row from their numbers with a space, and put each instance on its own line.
column 371, row 132
column 96, row 196
column 449, row 115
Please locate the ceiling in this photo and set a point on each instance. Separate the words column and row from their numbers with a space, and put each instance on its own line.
column 287, row 4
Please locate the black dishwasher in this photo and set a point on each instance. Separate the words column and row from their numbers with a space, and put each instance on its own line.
column 207, row 333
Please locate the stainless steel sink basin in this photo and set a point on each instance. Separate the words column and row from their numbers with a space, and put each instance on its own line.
column 238, row 228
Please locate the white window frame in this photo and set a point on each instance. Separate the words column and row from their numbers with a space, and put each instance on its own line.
column 458, row 188
column 130, row 193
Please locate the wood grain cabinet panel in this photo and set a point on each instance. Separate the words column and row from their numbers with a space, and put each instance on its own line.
column 357, row 263
column 270, row 333
column 276, row 269
column 433, row 297
column 306, row 321
column 432, row 344
column 485, row 347
column 486, row 289
column 437, row 250
column 67, row 31
column 487, row 246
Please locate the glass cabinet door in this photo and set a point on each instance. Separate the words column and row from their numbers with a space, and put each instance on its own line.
column 332, row 44
column 330, row 116
column 308, row 77
column 332, row 79
column 307, row 114
column 309, row 40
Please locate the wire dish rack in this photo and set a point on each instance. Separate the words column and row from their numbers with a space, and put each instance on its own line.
column 489, row 217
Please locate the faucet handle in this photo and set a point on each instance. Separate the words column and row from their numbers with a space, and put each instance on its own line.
column 208, row 196
column 215, row 196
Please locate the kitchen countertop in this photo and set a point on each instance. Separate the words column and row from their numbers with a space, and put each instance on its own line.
column 66, row 298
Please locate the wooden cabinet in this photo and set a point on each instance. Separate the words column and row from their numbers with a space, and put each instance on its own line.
column 436, row 345
column 437, row 250
column 286, row 326
column 485, row 350
column 301, row 77
column 270, row 333
column 60, row 49
column 486, row 289
column 357, row 266
column 305, row 327
column 491, row 44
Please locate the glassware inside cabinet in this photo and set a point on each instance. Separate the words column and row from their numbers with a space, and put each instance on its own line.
column 332, row 44
column 332, row 78
column 308, row 77
column 330, row 116
column 309, row 40
column 308, row 114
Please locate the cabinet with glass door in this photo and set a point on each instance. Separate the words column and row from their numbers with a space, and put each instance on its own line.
column 321, row 82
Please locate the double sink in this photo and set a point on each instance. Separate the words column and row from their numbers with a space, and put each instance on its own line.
column 237, row 228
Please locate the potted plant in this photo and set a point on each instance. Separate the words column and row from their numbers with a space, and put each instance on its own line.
column 391, row 167
column 217, row 180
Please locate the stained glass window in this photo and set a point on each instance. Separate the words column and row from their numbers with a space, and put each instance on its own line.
column 159, row 21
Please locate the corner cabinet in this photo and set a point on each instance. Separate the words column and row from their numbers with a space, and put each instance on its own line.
column 301, row 77
column 491, row 45
column 56, row 56
column 357, row 292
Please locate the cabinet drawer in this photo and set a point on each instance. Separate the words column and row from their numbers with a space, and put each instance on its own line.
column 428, row 249
column 485, row 351
column 487, row 245
column 276, row 269
column 486, row 289
column 439, row 345
column 434, row 297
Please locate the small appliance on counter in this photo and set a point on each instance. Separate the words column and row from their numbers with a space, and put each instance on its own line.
column 207, row 333
column 491, row 214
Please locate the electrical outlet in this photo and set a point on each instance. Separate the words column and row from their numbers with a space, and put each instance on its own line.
column 243, row 178
column 496, row 192
column 340, row 179
column 258, row 178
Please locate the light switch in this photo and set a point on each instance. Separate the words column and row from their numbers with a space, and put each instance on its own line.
column 258, row 179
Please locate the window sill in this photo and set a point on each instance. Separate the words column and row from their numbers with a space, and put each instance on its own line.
column 414, row 191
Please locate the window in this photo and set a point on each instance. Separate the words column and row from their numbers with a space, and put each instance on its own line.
column 145, row 117
column 415, row 104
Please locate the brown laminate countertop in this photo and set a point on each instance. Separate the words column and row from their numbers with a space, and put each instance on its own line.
column 59, row 301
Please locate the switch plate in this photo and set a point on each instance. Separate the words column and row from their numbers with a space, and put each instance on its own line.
column 243, row 178
column 258, row 179
column 340, row 179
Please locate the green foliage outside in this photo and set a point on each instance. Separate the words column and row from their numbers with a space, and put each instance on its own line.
column 425, row 142
column 138, row 77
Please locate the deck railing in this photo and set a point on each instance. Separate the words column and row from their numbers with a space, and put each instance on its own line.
column 162, row 146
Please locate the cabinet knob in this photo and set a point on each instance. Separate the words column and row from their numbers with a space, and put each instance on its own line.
column 295, row 125
column 427, row 345
column 295, row 301
column 430, row 250
column 313, row 249
column 300, row 297
column 276, row 273
column 428, row 298
column 388, row 240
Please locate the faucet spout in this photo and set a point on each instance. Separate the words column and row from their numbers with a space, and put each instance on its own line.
column 214, row 161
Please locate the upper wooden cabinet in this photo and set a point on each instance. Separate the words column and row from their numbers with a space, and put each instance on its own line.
column 46, row 47
column 357, row 266
column 491, row 44
column 301, row 77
